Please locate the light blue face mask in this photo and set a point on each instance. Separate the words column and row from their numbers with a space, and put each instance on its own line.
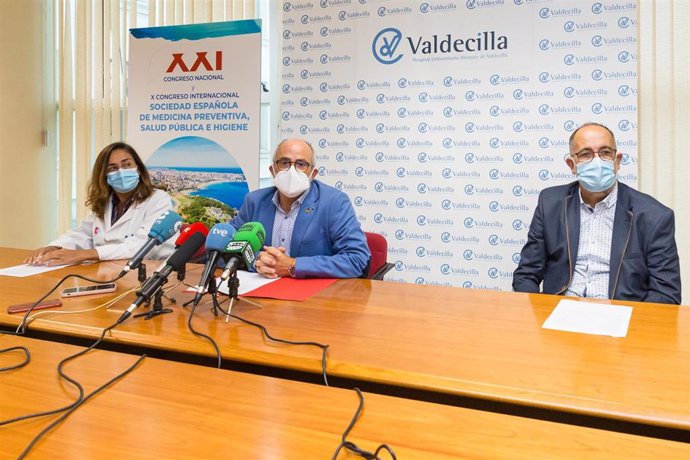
column 123, row 180
column 596, row 175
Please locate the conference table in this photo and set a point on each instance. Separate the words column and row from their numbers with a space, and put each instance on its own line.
column 171, row 410
column 465, row 347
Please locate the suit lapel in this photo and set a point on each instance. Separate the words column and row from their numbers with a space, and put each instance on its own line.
column 572, row 225
column 267, row 214
column 621, row 229
column 304, row 218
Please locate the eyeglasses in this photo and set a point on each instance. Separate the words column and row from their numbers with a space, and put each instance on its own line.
column 125, row 164
column 586, row 155
column 284, row 164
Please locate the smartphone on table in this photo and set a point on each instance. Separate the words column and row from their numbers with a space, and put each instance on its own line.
column 24, row 307
column 89, row 290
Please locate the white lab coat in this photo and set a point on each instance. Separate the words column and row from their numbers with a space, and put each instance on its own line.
column 130, row 232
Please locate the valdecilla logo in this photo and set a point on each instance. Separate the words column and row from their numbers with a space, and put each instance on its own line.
column 385, row 44
column 519, row 225
column 625, row 125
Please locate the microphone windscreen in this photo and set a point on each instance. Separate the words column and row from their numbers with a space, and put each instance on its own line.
column 219, row 237
column 253, row 233
column 165, row 226
column 181, row 256
column 196, row 227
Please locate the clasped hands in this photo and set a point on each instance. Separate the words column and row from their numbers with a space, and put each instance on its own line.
column 272, row 262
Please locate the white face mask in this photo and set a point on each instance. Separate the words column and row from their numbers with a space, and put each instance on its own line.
column 291, row 182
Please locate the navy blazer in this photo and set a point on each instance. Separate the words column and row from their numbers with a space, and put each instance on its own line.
column 327, row 239
column 644, row 259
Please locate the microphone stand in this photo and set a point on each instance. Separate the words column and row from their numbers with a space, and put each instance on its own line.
column 157, row 306
column 158, row 297
column 233, row 285
column 213, row 290
column 141, row 273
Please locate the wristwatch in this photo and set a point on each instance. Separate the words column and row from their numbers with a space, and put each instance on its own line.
column 293, row 269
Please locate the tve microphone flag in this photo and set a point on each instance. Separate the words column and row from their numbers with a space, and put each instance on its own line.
column 216, row 242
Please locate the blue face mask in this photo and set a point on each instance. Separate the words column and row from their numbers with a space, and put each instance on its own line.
column 123, row 180
column 596, row 175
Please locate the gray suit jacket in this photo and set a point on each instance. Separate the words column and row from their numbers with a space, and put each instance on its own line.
column 644, row 259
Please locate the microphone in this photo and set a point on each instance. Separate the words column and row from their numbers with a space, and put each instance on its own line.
column 162, row 229
column 218, row 239
column 248, row 240
column 175, row 262
column 189, row 230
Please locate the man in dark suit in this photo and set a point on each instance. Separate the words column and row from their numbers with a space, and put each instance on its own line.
column 311, row 228
column 597, row 237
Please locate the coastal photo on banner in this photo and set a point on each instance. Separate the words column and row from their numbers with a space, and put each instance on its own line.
column 193, row 114
column 443, row 120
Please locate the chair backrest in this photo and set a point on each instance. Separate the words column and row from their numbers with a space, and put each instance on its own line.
column 378, row 246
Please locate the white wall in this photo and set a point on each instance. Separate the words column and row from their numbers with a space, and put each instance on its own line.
column 27, row 167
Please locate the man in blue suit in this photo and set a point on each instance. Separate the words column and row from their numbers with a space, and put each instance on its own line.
column 311, row 228
column 597, row 237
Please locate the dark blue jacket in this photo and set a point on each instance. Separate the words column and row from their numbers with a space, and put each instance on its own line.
column 644, row 260
column 327, row 239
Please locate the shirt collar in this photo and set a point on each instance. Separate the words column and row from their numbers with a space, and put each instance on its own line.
column 607, row 202
column 297, row 202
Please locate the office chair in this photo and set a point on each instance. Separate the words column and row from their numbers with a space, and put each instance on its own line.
column 378, row 246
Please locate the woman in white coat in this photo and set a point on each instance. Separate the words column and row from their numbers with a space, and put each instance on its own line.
column 123, row 206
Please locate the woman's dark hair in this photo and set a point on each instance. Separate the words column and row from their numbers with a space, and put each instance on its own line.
column 98, row 192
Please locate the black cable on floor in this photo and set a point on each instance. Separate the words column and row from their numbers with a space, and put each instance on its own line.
column 201, row 334
column 27, row 358
column 79, row 387
column 324, row 348
column 76, row 406
column 352, row 447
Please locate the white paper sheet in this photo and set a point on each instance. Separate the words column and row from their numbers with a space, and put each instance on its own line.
column 248, row 282
column 28, row 270
column 589, row 318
